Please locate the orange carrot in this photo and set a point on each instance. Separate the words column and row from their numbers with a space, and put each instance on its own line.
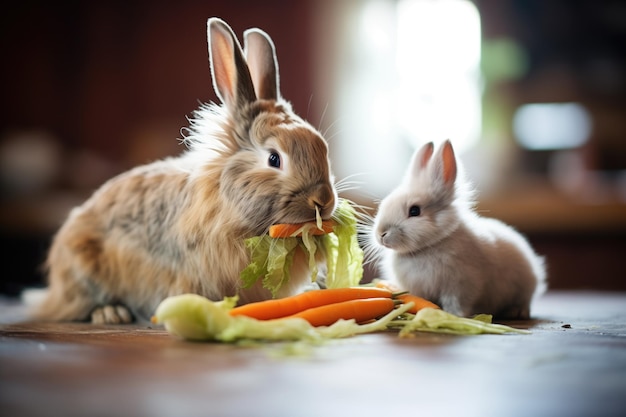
column 288, row 229
column 419, row 302
column 272, row 309
column 360, row 310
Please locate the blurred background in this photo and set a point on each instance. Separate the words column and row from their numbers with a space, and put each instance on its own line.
column 532, row 94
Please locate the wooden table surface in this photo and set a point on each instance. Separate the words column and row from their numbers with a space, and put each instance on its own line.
column 573, row 364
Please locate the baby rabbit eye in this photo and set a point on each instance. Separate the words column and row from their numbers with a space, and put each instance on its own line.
column 274, row 160
column 414, row 211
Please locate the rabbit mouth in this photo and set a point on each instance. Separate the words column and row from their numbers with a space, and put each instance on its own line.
column 318, row 200
column 310, row 216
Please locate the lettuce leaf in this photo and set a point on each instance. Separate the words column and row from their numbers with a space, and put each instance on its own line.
column 193, row 317
column 271, row 259
column 344, row 256
column 438, row 321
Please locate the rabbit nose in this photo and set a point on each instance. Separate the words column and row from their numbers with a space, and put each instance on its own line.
column 321, row 198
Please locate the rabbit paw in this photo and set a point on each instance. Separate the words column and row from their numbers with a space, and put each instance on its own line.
column 110, row 314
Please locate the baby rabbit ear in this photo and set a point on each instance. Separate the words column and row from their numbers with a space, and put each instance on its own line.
column 261, row 57
column 445, row 164
column 231, row 77
column 421, row 158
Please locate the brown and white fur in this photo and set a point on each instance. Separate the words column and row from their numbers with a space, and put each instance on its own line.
column 433, row 244
column 178, row 225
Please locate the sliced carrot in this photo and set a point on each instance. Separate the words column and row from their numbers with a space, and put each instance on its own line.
column 272, row 309
column 419, row 302
column 288, row 229
column 360, row 310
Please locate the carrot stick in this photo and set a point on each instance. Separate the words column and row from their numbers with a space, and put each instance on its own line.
column 288, row 229
column 419, row 302
column 360, row 310
column 272, row 309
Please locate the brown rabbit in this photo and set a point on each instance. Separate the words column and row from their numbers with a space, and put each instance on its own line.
column 178, row 225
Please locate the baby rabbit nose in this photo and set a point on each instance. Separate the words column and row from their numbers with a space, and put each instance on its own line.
column 385, row 239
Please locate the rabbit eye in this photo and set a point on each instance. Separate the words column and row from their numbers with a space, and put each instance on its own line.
column 274, row 160
column 414, row 211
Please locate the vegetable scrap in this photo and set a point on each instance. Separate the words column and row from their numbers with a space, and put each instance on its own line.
column 271, row 257
column 196, row 318
column 438, row 321
column 193, row 317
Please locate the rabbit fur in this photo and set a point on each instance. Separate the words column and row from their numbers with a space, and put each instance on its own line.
column 430, row 242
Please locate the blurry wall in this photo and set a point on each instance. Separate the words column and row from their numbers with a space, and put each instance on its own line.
column 89, row 89
column 551, row 156
column 571, row 202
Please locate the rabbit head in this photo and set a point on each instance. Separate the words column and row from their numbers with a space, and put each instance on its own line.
column 424, row 208
column 273, row 166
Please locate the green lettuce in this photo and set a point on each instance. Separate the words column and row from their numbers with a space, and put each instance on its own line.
column 344, row 256
column 438, row 321
column 271, row 258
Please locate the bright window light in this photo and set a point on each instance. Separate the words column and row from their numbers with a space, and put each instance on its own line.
column 410, row 75
column 552, row 126
column 438, row 60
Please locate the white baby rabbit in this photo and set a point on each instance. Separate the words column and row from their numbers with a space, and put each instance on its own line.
column 435, row 246
column 178, row 225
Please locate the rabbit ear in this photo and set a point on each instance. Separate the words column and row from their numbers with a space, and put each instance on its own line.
column 231, row 77
column 445, row 167
column 261, row 58
column 420, row 159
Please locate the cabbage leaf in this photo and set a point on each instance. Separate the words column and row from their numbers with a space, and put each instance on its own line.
column 438, row 321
